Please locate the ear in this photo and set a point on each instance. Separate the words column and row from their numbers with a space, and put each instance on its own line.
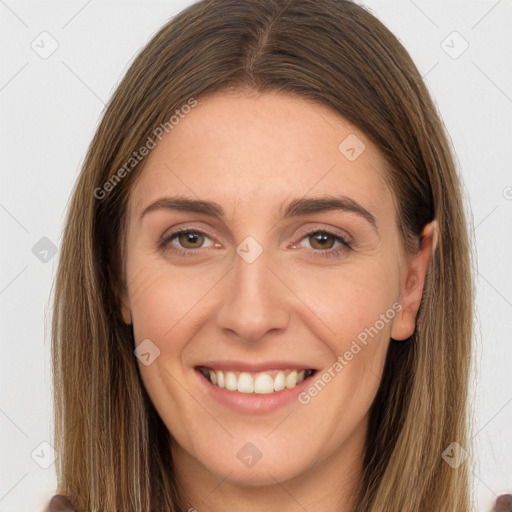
column 119, row 281
column 411, row 288
column 126, row 311
column 119, row 288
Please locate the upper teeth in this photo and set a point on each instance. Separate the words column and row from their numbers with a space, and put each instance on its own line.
column 260, row 383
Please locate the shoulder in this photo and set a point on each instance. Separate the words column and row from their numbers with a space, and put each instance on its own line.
column 503, row 503
column 60, row 503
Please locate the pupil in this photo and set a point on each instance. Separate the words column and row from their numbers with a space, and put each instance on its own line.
column 322, row 237
column 190, row 237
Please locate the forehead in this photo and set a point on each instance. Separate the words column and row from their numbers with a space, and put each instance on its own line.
column 252, row 150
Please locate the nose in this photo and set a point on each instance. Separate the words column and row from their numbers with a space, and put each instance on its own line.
column 254, row 300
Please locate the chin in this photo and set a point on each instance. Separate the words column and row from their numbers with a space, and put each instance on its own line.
column 260, row 475
column 252, row 467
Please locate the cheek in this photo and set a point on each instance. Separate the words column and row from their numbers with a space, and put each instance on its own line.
column 348, row 301
column 162, row 296
column 337, row 308
column 354, row 307
column 338, row 304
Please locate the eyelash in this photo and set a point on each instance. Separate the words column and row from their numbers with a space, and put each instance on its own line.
column 164, row 242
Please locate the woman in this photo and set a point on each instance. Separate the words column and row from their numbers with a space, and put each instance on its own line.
column 264, row 295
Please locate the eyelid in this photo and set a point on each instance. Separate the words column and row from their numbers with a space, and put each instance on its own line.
column 342, row 237
column 170, row 234
column 310, row 229
column 333, row 253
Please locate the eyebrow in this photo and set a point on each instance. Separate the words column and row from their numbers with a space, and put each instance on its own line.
column 297, row 207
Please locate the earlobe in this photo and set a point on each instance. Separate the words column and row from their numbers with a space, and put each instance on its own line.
column 403, row 325
column 411, row 290
column 126, row 312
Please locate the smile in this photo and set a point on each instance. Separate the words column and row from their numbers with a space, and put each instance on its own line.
column 266, row 382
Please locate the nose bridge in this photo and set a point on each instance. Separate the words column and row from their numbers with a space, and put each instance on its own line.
column 253, row 301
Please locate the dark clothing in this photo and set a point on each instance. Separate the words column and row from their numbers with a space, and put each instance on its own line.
column 60, row 503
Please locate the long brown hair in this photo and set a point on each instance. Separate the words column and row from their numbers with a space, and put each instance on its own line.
column 113, row 447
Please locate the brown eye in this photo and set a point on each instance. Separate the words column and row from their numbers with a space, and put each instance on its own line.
column 324, row 244
column 322, row 240
column 185, row 241
column 190, row 239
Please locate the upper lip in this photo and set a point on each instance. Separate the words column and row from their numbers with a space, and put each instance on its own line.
column 253, row 367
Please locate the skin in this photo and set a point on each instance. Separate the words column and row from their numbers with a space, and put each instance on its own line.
column 251, row 154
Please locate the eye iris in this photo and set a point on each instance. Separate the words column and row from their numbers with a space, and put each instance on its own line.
column 190, row 237
column 323, row 237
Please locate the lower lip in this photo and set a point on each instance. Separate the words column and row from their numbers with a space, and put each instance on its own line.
column 253, row 403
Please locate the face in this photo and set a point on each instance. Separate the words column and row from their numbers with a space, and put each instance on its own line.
column 239, row 267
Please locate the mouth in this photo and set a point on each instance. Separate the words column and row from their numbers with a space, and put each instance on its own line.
column 258, row 383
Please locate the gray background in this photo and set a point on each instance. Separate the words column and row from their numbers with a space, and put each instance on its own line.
column 51, row 105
